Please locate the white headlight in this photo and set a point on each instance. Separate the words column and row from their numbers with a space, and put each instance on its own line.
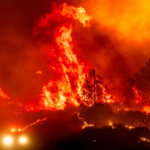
column 7, row 140
column 22, row 140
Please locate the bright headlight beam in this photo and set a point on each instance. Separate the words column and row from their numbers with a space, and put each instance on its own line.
column 7, row 140
column 22, row 140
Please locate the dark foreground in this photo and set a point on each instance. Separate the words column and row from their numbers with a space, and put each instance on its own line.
column 88, row 139
column 62, row 131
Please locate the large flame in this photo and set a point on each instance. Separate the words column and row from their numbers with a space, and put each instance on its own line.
column 71, row 70
column 69, row 87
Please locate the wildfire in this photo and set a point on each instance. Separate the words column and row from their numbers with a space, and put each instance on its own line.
column 107, row 98
column 3, row 95
column 38, row 72
column 34, row 123
column 143, row 139
column 110, row 124
column 129, row 127
column 137, row 96
column 67, row 88
column 70, row 68
column 146, row 109
column 85, row 124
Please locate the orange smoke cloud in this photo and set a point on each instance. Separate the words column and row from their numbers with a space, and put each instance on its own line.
column 129, row 19
column 117, row 42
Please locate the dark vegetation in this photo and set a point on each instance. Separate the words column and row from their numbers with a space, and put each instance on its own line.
column 92, row 138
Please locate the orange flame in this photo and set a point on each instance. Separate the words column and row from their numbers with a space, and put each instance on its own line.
column 111, row 124
column 137, row 96
column 71, row 70
column 85, row 124
column 129, row 127
column 146, row 109
column 39, row 72
column 144, row 139
column 3, row 95
column 68, row 88
column 34, row 123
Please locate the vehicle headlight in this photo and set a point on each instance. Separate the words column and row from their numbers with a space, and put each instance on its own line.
column 13, row 130
column 22, row 140
column 8, row 140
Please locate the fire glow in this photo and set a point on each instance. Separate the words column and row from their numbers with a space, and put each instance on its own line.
column 34, row 123
column 67, row 89
column 69, row 66
column 72, row 71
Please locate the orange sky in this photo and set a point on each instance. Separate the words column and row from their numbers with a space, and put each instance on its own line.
column 129, row 19
column 126, row 25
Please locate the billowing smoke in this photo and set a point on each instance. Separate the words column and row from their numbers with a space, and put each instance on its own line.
column 116, row 45
column 117, row 40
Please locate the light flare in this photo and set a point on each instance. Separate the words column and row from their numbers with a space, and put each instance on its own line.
column 7, row 140
column 13, row 130
column 22, row 140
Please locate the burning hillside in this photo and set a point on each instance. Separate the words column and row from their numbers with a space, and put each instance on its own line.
column 70, row 72
column 60, row 78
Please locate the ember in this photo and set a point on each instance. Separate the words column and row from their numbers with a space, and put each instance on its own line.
column 143, row 139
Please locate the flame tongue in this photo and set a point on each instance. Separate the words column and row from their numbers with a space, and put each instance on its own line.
column 34, row 123
column 68, row 88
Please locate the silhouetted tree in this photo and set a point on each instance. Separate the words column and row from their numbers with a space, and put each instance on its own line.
column 142, row 79
column 129, row 97
column 93, row 93
column 92, row 88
